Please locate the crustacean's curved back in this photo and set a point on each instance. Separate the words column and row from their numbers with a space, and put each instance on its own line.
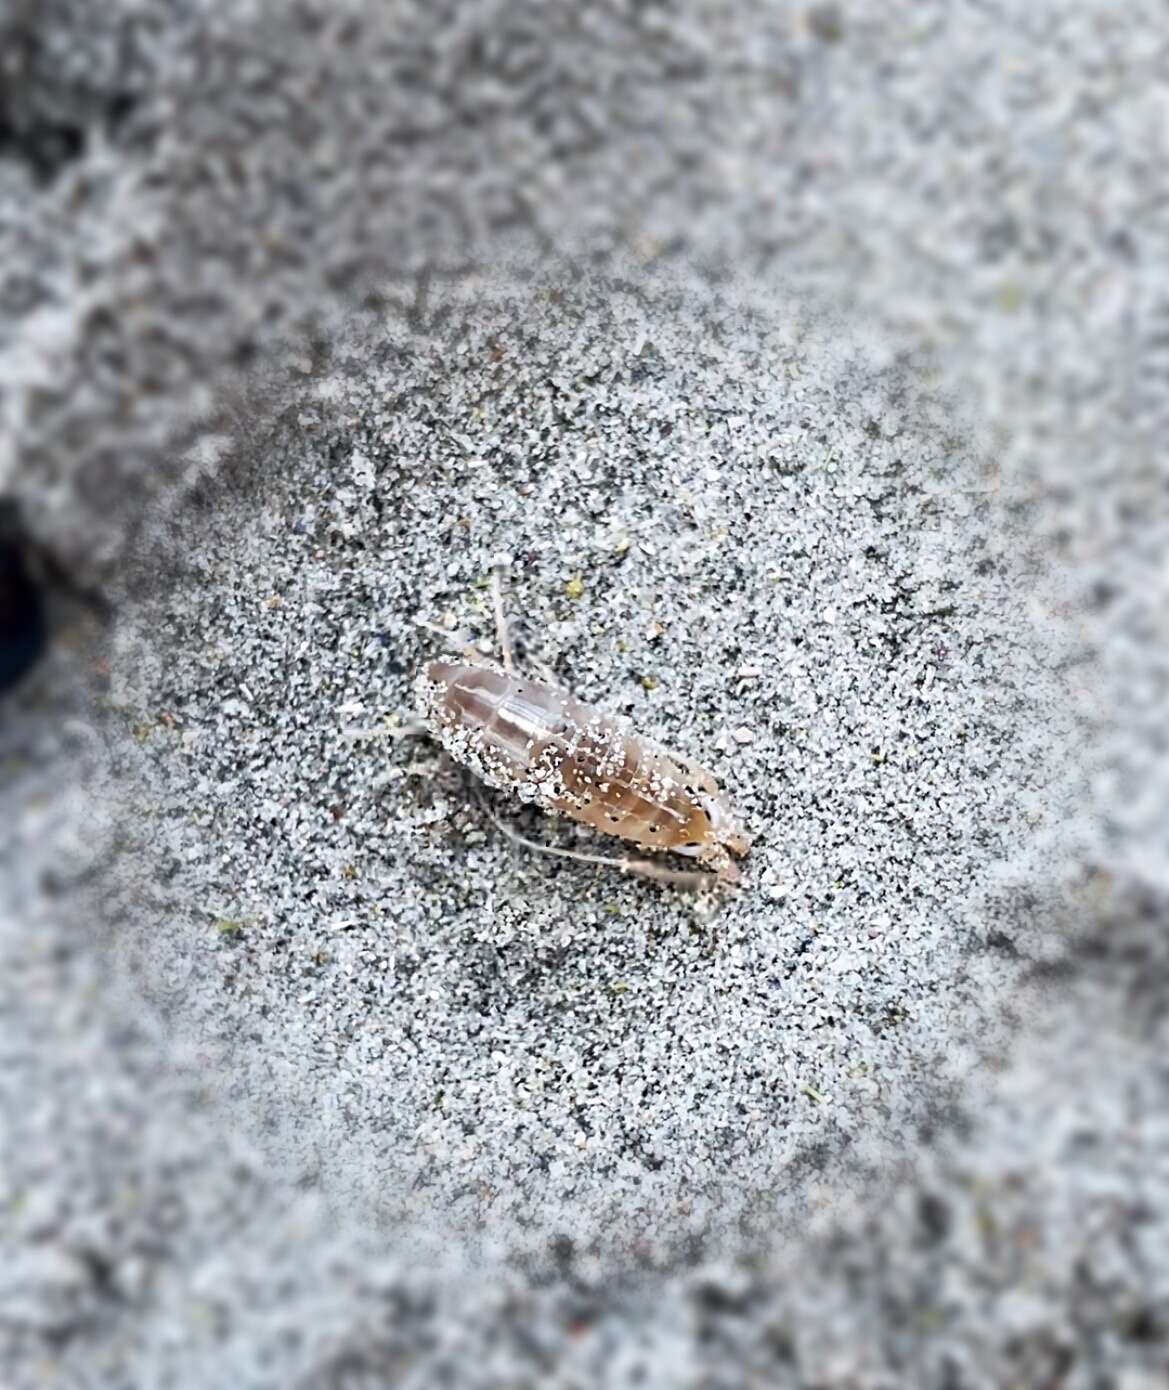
column 538, row 741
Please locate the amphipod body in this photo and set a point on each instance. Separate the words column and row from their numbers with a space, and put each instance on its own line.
column 541, row 743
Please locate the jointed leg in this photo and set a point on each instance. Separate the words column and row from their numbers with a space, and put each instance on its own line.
column 459, row 641
column 411, row 728
column 501, row 632
column 693, row 880
column 546, row 673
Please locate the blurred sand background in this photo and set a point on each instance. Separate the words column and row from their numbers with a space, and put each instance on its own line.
column 810, row 369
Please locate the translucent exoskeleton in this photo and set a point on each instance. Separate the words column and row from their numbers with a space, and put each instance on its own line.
column 534, row 739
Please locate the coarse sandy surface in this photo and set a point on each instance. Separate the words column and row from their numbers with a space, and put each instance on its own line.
column 747, row 556
column 821, row 435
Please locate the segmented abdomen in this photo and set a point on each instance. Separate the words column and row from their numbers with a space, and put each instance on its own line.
column 545, row 745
